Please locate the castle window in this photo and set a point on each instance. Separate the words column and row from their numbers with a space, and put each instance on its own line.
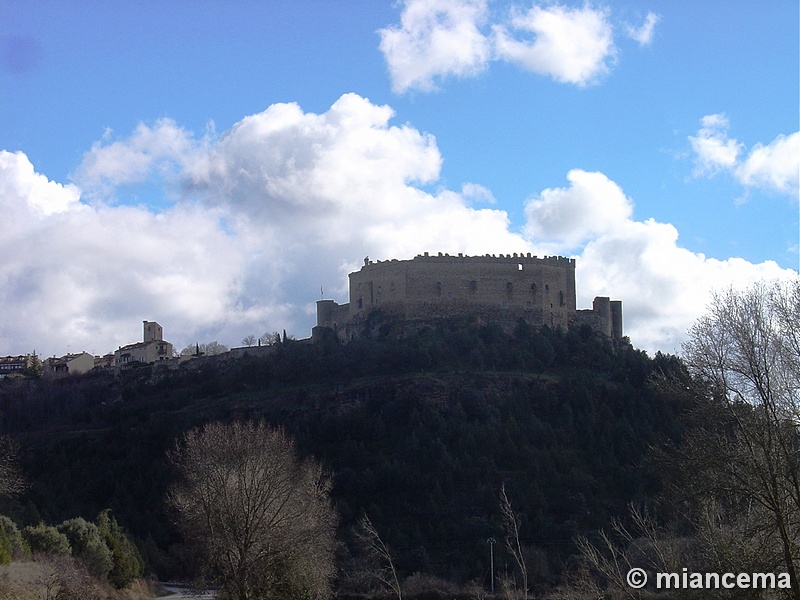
column 391, row 287
column 546, row 287
column 519, row 267
column 438, row 288
column 561, row 298
column 360, row 303
column 509, row 287
column 473, row 286
column 528, row 305
column 533, row 288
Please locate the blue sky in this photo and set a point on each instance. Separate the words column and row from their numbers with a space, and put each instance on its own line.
column 212, row 165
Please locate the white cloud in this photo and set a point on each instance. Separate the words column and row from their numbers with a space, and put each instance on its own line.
column 303, row 197
column 440, row 38
column 664, row 287
column 774, row 167
column 714, row 150
column 475, row 193
column 34, row 192
column 644, row 33
column 161, row 147
column 435, row 39
column 84, row 277
column 286, row 202
column 571, row 45
column 568, row 217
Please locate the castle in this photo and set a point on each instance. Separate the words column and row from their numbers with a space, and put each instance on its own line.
column 503, row 288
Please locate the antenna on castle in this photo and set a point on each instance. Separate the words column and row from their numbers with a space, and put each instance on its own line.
column 321, row 293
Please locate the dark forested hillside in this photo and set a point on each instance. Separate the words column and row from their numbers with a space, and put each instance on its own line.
column 418, row 431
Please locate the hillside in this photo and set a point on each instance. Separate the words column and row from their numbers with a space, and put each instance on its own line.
column 419, row 431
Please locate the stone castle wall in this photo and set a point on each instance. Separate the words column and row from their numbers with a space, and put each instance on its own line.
column 502, row 288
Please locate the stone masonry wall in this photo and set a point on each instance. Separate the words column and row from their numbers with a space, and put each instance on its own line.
column 503, row 288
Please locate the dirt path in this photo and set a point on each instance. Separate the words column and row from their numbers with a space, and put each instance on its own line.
column 179, row 592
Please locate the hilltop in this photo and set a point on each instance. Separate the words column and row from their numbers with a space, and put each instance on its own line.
column 418, row 430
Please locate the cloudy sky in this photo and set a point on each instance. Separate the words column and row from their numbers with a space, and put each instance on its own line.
column 214, row 166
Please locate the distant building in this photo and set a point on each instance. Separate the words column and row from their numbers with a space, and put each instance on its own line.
column 14, row 365
column 69, row 364
column 153, row 349
column 102, row 362
column 504, row 289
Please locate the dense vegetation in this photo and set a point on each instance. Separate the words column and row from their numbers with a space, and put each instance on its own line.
column 419, row 430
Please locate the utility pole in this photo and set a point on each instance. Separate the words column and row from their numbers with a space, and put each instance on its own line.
column 491, row 541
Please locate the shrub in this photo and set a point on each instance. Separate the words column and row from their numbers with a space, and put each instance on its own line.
column 19, row 549
column 88, row 545
column 46, row 539
column 5, row 548
column 127, row 563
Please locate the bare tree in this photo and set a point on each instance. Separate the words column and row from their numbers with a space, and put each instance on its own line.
column 271, row 338
column 260, row 517
column 249, row 340
column 512, row 539
column 209, row 349
column 11, row 480
column 747, row 348
column 379, row 552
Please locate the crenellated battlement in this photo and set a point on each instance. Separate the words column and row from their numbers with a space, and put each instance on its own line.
column 444, row 258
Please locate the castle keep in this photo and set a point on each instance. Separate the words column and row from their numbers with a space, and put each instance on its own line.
column 502, row 288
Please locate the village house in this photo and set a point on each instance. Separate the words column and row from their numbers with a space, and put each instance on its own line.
column 153, row 349
column 14, row 365
column 69, row 364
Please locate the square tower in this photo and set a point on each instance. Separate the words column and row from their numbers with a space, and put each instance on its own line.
column 153, row 332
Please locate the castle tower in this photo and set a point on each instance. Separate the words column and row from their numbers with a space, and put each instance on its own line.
column 602, row 309
column 153, row 332
column 616, row 319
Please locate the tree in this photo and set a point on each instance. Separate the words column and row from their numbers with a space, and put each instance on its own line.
column 46, row 539
column 35, row 368
column 377, row 551
column 11, row 480
column 270, row 338
column 126, row 561
column 209, row 349
column 260, row 517
column 511, row 527
column 249, row 340
column 747, row 349
column 88, row 545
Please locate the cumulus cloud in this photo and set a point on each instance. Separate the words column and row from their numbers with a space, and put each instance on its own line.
column 435, row 39
column 287, row 202
column 283, row 203
column 161, row 147
column 568, row 217
column 571, row 45
column 714, row 150
column 664, row 286
column 440, row 38
column 774, row 167
column 644, row 33
column 84, row 277
column 35, row 195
